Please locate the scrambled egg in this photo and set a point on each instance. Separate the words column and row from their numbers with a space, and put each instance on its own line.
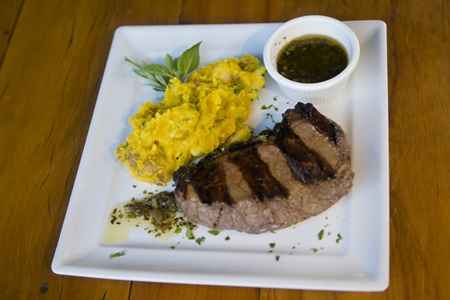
column 194, row 118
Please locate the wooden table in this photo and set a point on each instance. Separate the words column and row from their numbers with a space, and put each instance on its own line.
column 52, row 55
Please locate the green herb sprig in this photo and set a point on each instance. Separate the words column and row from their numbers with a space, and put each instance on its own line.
column 159, row 76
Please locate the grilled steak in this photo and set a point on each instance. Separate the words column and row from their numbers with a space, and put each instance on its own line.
column 280, row 178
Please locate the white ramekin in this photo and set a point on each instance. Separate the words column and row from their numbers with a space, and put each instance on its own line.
column 307, row 25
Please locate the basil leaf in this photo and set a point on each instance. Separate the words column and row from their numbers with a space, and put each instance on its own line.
column 135, row 64
column 158, row 88
column 170, row 63
column 156, row 83
column 159, row 80
column 159, row 76
column 188, row 61
column 154, row 69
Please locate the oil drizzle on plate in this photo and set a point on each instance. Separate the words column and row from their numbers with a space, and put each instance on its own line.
column 155, row 213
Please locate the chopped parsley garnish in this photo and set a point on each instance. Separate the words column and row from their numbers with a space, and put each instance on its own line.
column 227, row 238
column 320, row 234
column 339, row 238
column 277, row 258
column 200, row 240
column 264, row 107
column 214, row 231
column 190, row 234
column 272, row 245
column 117, row 254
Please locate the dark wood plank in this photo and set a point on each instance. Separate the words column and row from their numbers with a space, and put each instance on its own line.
column 205, row 11
column 420, row 144
column 151, row 291
column 9, row 14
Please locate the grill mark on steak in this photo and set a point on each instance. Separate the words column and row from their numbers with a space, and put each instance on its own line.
column 319, row 121
column 208, row 180
column 238, row 188
column 257, row 174
column 305, row 163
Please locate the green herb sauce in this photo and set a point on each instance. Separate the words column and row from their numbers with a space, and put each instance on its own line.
column 311, row 59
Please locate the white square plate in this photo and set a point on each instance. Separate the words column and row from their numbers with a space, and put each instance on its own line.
column 360, row 261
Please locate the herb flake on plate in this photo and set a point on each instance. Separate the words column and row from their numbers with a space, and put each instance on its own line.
column 320, row 234
column 214, row 231
column 117, row 254
column 200, row 240
column 339, row 238
column 190, row 233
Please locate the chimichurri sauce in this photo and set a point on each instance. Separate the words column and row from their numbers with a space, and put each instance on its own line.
column 312, row 58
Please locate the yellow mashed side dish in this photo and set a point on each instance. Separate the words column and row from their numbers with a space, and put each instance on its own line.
column 194, row 118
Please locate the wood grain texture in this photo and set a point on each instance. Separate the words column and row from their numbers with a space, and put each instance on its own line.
column 48, row 86
column 52, row 55
column 9, row 14
column 190, row 292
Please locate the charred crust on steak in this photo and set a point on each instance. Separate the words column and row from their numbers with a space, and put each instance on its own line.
column 257, row 174
column 208, row 180
column 309, row 113
column 305, row 164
